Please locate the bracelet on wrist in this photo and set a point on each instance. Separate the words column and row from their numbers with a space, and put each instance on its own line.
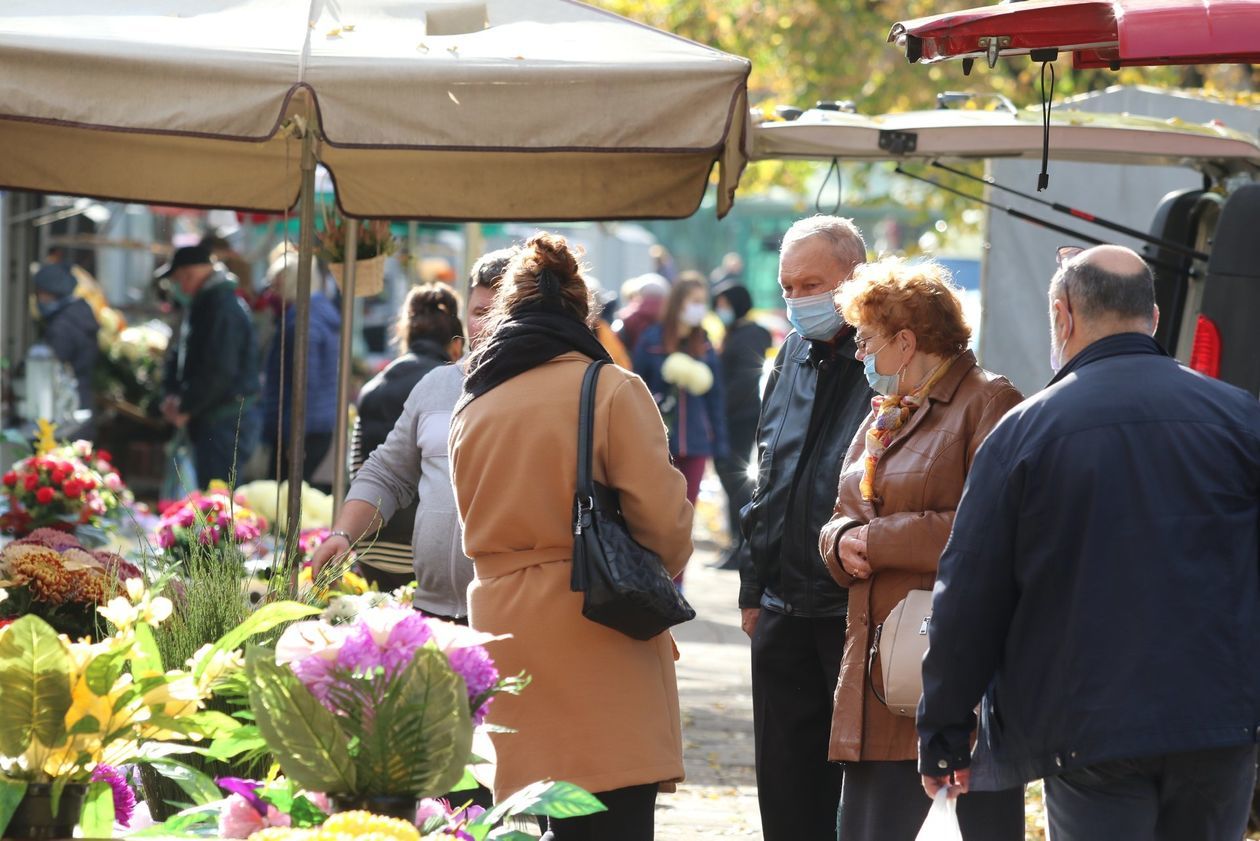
column 341, row 533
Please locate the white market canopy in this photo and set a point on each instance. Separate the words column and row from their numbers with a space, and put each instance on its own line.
column 961, row 134
column 429, row 109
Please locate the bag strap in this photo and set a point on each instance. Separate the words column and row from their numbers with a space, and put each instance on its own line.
column 585, row 502
column 870, row 663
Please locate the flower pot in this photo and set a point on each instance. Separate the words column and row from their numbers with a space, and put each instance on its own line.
column 369, row 276
column 34, row 816
column 389, row 805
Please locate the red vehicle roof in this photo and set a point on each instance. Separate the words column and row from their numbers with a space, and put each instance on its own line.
column 1100, row 33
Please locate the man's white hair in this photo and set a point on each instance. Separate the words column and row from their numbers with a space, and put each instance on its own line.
column 843, row 236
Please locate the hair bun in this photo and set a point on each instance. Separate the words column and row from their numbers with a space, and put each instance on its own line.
column 552, row 254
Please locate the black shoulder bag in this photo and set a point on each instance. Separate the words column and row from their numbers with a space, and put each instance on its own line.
column 626, row 586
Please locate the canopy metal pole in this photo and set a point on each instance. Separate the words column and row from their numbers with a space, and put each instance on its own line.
column 343, row 366
column 301, row 344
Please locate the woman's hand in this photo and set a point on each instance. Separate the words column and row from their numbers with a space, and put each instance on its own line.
column 853, row 553
column 333, row 547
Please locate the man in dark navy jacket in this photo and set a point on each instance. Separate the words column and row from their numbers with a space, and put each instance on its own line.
column 1101, row 589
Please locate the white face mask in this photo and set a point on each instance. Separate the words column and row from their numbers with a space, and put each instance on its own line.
column 693, row 313
column 1056, row 349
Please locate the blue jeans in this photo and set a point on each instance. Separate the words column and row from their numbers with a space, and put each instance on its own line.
column 224, row 441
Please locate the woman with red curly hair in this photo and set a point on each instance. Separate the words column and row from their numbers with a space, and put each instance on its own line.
column 899, row 486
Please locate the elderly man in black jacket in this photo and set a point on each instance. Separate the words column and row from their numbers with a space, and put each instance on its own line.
column 1101, row 589
column 815, row 400
column 211, row 378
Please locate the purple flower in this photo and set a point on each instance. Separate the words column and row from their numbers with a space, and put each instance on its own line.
column 247, row 789
column 124, row 797
column 474, row 665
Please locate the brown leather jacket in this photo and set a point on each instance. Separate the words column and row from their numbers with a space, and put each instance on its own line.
column 918, row 483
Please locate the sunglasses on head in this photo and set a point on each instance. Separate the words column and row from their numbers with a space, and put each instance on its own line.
column 1064, row 253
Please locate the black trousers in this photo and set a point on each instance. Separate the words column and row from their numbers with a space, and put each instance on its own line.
column 733, row 470
column 1201, row 795
column 885, row 801
column 795, row 663
column 631, row 816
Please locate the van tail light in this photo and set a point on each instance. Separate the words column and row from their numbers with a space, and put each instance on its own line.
column 1205, row 356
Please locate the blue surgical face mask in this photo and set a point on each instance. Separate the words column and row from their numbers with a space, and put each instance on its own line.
column 47, row 308
column 727, row 316
column 815, row 316
column 885, row 384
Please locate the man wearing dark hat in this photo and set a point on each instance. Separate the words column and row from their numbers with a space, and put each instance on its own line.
column 69, row 327
column 211, row 381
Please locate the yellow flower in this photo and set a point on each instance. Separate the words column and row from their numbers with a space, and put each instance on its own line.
column 178, row 698
column 221, row 665
column 47, row 440
column 354, row 584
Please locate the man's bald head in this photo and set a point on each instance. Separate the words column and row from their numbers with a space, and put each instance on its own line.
column 1109, row 286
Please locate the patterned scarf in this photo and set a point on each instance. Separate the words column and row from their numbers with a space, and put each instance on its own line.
column 891, row 414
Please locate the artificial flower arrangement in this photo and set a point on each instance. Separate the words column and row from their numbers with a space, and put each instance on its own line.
column 50, row 574
column 382, row 705
column 372, row 705
column 75, row 710
column 375, row 242
column 130, row 366
column 375, row 239
column 65, row 487
column 212, row 519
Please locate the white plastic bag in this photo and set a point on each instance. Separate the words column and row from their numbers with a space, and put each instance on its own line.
column 942, row 820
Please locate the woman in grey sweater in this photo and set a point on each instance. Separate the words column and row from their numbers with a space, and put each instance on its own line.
column 412, row 465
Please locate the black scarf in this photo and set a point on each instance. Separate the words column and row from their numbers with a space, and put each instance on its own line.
column 533, row 335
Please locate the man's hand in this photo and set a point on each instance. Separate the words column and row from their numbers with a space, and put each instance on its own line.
column 958, row 782
column 333, row 547
column 853, row 553
column 748, row 619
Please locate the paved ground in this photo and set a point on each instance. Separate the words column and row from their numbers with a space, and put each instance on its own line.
column 719, row 798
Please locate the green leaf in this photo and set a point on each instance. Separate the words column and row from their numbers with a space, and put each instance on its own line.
column 35, row 685
column 305, row 737
column 280, row 794
column 97, row 819
column 260, row 621
column 87, row 724
column 54, row 794
column 11, row 794
column 304, row 813
column 180, row 825
column 554, row 799
column 505, row 834
column 148, row 658
column 466, row 783
column 104, row 670
column 425, row 724
column 244, row 739
column 565, row 800
column 197, row 785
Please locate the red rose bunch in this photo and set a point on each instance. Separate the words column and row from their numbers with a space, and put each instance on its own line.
column 62, row 488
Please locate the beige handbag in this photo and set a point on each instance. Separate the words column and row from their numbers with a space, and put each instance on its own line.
column 901, row 641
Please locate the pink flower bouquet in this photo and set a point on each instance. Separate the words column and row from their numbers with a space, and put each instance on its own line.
column 393, row 697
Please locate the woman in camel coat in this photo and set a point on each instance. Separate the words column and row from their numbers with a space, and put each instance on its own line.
column 899, row 486
column 602, row 708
